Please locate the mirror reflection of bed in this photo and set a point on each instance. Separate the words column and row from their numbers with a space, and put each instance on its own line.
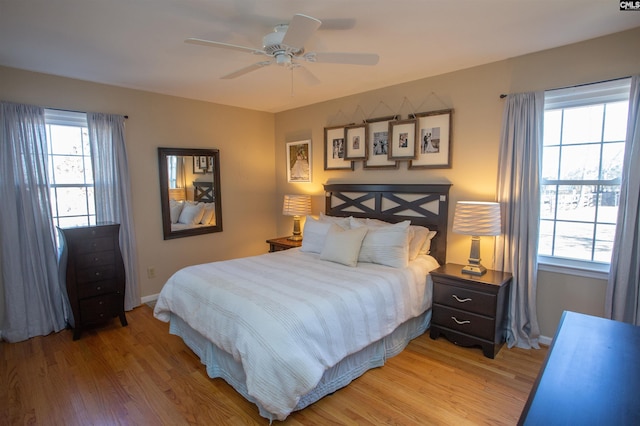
column 190, row 191
column 191, row 195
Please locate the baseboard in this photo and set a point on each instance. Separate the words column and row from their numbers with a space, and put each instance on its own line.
column 544, row 340
column 152, row 298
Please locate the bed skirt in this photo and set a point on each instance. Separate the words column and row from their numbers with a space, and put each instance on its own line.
column 221, row 364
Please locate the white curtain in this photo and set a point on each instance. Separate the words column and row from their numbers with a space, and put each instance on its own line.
column 113, row 191
column 623, row 289
column 519, row 198
column 33, row 303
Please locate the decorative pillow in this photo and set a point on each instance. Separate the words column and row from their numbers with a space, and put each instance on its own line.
column 426, row 247
column 191, row 214
column 418, row 238
column 314, row 234
column 386, row 245
column 175, row 208
column 343, row 222
column 209, row 212
column 343, row 245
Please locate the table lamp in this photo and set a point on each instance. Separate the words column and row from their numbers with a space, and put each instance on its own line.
column 296, row 206
column 476, row 218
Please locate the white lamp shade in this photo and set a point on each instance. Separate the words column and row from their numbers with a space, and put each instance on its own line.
column 296, row 205
column 477, row 218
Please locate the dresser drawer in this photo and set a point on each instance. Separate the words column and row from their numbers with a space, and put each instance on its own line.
column 465, row 299
column 99, row 258
column 99, row 308
column 97, row 273
column 92, row 245
column 97, row 288
column 465, row 322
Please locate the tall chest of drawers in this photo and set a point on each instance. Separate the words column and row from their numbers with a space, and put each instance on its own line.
column 92, row 273
column 470, row 310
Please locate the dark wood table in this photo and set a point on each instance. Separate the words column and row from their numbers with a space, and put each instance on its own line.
column 591, row 375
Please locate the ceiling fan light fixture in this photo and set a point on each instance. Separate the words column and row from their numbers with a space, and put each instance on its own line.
column 283, row 58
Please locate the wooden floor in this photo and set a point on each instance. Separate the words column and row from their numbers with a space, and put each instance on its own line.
column 141, row 375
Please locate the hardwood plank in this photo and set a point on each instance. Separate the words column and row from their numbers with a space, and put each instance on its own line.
column 140, row 374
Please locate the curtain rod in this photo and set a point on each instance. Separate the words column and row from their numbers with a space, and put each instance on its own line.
column 502, row 96
column 71, row 110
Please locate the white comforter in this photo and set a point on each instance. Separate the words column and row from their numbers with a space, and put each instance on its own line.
column 288, row 316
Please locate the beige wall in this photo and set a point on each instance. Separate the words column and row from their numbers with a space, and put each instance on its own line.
column 247, row 152
column 474, row 96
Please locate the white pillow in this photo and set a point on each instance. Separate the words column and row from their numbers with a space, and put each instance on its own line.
column 191, row 214
column 386, row 245
column 426, row 247
column 417, row 240
column 208, row 214
column 343, row 222
column 314, row 234
column 175, row 208
column 343, row 245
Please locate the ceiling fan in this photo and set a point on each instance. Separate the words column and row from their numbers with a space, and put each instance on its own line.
column 285, row 46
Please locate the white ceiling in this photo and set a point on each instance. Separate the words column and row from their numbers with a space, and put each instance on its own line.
column 140, row 43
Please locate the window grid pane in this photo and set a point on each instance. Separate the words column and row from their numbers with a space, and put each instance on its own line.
column 582, row 144
column 70, row 175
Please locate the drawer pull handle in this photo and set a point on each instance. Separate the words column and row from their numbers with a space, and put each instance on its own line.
column 98, row 288
column 95, row 259
column 97, row 274
column 468, row 299
column 460, row 322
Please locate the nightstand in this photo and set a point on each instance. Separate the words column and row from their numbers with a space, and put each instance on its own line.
column 470, row 310
column 282, row 243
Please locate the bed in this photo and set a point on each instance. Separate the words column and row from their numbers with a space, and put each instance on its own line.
column 285, row 329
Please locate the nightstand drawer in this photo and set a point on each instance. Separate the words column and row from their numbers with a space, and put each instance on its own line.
column 465, row 322
column 465, row 299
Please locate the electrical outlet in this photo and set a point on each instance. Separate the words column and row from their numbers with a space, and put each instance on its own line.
column 151, row 272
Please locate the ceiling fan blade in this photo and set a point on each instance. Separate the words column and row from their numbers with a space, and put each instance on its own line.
column 211, row 43
column 337, row 24
column 342, row 58
column 245, row 70
column 301, row 28
column 306, row 75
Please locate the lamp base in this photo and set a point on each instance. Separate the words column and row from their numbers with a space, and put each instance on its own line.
column 474, row 269
column 297, row 234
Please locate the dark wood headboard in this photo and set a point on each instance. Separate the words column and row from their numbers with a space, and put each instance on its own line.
column 424, row 205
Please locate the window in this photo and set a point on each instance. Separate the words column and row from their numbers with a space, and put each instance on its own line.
column 70, row 172
column 583, row 151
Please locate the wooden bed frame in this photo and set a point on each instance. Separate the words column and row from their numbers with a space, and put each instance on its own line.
column 425, row 205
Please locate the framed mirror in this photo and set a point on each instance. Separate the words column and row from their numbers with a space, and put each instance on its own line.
column 190, row 191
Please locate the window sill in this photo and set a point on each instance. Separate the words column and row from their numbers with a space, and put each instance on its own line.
column 574, row 267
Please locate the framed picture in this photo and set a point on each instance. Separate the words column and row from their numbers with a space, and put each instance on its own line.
column 299, row 161
column 356, row 142
column 197, row 170
column 402, row 139
column 209, row 164
column 433, row 133
column 378, row 144
column 334, row 149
